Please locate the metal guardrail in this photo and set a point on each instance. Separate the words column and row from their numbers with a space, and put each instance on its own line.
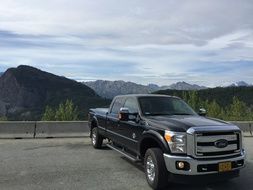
column 245, row 126
column 50, row 129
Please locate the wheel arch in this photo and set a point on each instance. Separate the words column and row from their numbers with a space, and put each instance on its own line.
column 93, row 123
column 151, row 139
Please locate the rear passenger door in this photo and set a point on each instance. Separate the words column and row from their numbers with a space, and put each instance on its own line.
column 112, row 121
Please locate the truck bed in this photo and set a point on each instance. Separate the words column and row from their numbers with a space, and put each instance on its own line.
column 99, row 111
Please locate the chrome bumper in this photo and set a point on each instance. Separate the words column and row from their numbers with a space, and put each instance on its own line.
column 171, row 160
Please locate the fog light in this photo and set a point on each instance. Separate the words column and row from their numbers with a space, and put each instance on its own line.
column 180, row 165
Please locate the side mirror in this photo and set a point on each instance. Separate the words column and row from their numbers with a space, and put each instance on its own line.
column 124, row 114
column 202, row 112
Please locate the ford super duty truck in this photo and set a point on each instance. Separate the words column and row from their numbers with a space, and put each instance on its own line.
column 172, row 141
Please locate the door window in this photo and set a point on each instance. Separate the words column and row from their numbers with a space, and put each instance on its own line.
column 132, row 105
column 118, row 103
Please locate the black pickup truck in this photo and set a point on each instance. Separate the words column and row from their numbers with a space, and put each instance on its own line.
column 172, row 141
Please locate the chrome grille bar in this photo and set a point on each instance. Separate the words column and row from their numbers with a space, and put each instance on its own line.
column 208, row 149
column 214, row 138
column 204, row 139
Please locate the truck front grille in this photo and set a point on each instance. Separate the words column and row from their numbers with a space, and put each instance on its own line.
column 217, row 144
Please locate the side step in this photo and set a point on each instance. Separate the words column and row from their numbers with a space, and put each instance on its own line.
column 127, row 155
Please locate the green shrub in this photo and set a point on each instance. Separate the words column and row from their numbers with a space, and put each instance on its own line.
column 66, row 111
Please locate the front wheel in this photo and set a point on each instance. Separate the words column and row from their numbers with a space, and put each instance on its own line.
column 96, row 139
column 155, row 169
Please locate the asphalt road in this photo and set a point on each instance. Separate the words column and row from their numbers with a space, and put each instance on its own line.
column 73, row 164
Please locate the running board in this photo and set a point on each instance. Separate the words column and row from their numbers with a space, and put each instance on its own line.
column 127, row 155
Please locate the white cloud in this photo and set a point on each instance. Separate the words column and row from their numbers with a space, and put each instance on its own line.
column 175, row 39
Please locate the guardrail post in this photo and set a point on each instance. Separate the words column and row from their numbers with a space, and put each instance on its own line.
column 35, row 126
column 250, row 130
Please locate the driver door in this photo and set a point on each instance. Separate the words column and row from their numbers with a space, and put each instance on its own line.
column 130, row 131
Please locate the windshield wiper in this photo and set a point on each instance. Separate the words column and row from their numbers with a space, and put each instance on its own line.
column 157, row 114
column 181, row 114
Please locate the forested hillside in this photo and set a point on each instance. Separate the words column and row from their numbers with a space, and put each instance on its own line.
column 231, row 103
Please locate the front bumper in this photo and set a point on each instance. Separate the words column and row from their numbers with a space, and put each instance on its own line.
column 197, row 166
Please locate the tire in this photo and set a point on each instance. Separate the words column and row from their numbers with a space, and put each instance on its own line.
column 96, row 139
column 155, row 169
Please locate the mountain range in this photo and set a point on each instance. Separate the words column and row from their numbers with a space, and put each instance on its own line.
column 109, row 89
column 25, row 92
column 183, row 86
column 239, row 84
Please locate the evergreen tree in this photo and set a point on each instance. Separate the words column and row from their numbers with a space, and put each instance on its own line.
column 193, row 100
column 49, row 114
column 3, row 118
column 237, row 110
column 214, row 110
column 184, row 96
column 66, row 112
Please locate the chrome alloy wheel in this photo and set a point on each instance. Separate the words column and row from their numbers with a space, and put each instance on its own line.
column 150, row 168
column 94, row 137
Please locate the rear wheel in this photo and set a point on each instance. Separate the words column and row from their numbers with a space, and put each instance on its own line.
column 96, row 139
column 155, row 169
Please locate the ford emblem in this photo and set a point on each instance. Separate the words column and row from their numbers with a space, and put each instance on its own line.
column 222, row 143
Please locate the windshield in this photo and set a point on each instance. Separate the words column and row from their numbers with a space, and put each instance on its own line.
column 164, row 106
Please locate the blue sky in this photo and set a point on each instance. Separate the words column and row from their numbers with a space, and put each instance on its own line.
column 145, row 41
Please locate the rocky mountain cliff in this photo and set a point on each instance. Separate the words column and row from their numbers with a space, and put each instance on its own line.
column 109, row 89
column 25, row 91
column 183, row 86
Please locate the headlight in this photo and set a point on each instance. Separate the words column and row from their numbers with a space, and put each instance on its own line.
column 242, row 140
column 176, row 141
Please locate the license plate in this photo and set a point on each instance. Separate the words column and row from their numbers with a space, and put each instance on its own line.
column 225, row 166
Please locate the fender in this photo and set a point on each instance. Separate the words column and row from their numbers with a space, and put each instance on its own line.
column 94, row 119
column 155, row 136
column 91, row 120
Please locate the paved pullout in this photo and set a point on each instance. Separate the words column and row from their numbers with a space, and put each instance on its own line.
column 73, row 164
